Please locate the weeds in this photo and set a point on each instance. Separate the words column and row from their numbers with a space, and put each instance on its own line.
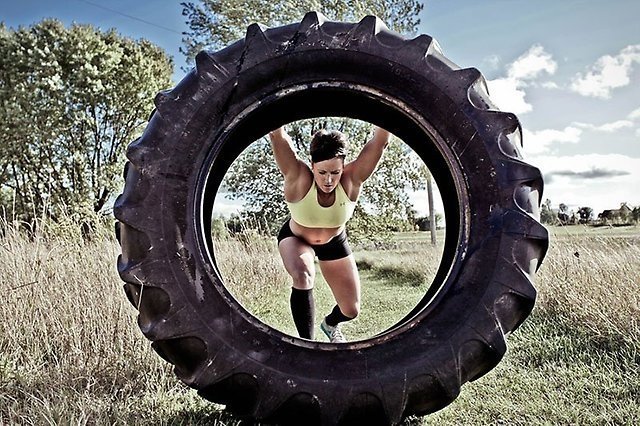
column 70, row 350
column 593, row 282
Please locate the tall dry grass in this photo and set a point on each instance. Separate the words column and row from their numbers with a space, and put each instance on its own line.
column 575, row 360
column 592, row 280
column 70, row 350
column 250, row 266
column 254, row 273
column 589, row 278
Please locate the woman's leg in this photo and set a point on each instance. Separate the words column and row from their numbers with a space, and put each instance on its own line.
column 298, row 259
column 344, row 281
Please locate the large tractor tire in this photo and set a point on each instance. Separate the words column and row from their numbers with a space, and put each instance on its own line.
column 482, row 291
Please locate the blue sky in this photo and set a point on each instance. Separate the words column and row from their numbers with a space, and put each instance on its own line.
column 569, row 69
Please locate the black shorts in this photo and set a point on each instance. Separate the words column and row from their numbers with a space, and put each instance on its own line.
column 336, row 248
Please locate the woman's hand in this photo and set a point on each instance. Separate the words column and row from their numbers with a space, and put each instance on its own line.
column 382, row 135
column 280, row 132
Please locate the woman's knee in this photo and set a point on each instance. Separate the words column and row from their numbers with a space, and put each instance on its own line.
column 351, row 310
column 303, row 279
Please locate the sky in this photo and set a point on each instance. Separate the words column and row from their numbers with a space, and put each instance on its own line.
column 570, row 71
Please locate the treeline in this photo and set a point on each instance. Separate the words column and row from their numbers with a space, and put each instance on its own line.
column 625, row 215
column 71, row 99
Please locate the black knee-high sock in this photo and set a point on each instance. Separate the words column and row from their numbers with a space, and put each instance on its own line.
column 303, row 311
column 336, row 317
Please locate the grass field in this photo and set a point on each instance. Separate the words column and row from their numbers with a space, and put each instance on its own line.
column 71, row 352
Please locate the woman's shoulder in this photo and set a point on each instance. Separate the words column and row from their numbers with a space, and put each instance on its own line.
column 350, row 187
column 296, row 189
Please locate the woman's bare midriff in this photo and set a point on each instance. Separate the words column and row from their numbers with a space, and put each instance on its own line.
column 315, row 236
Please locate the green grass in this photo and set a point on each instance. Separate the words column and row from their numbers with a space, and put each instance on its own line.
column 553, row 373
column 401, row 274
column 71, row 353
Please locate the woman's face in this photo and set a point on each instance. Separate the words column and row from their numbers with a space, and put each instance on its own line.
column 327, row 173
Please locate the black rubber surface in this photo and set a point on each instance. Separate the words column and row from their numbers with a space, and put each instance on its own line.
column 483, row 289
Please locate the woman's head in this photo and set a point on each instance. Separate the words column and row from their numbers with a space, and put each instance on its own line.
column 328, row 144
column 328, row 151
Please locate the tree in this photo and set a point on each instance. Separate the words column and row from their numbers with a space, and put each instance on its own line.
column 563, row 214
column 625, row 213
column 432, row 214
column 546, row 213
column 254, row 176
column 214, row 24
column 71, row 99
column 586, row 214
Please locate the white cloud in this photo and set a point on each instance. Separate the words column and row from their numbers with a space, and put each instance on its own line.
column 223, row 206
column 508, row 92
column 634, row 115
column 420, row 201
column 508, row 95
column 608, row 73
column 542, row 140
column 531, row 64
column 550, row 85
column 493, row 61
column 607, row 127
column 599, row 181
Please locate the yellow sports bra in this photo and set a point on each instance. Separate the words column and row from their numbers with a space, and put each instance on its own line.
column 308, row 212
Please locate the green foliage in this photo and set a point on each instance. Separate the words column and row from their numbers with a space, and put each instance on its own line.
column 423, row 223
column 586, row 214
column 219, row 228
column 384, row 204
column 254, row 176
column 547, row 216
column 70, row 101
column 214, row 24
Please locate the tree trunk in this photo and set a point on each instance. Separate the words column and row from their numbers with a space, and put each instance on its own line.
column 432, row 214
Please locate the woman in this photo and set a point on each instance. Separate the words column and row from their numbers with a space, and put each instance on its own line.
column 321, row 199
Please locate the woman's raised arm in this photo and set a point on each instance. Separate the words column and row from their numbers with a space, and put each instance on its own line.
column 285, row 156
column 364, row 165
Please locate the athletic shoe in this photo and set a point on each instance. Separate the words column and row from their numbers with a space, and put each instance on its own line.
column 333, row 332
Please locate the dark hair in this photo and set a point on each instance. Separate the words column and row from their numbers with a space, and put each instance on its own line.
column 328, row 144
